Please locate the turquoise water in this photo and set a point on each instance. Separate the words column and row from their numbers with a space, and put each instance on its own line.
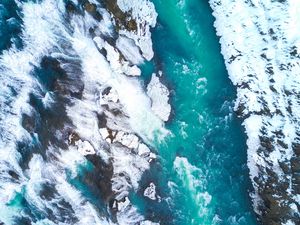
column 204, row 160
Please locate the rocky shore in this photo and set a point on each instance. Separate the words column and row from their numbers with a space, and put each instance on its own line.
column 260, row 44
column 121, row 102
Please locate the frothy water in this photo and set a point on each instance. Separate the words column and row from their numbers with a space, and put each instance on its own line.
column 51, row 86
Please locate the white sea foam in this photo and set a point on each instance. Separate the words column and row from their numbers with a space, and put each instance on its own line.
column 126, row 93
column 116, row 64
column 191, row 177
column 84, row 210
column 16, row 66
column 98, row 74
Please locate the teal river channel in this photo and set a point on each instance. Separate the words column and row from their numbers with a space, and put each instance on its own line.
column 204, row 162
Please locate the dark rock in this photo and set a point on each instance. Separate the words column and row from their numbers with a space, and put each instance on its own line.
column 71, row 7
column 278, row 133
column 295, row 164
column 285, row 166
column 48, row 191
column 102, row 121
column 240, row 110
column 233, row 57
column 296, row 148
column 106, row 91
column 73, row 137
column 294, row 51
column 296, row 183
column 131, row 25
column 271, row 31
column 116, row 112
column 28, row 122
column 13, row 174
column 244, row 85
column 89, row 7
column 272, row 80
column 282, row 144
column 99, row 179
column 273, row 89
column 123, row 20
column 269, row 70
column 92, row 10
column 111, row 134
column 267, row 143
column 289, row 109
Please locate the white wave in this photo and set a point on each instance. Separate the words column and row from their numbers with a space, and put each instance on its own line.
column 193, row 179
column 84, row 210
column 41, row 172
column 98, row 74
column 16, row 67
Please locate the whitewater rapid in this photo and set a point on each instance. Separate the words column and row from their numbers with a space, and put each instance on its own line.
column 72, row 107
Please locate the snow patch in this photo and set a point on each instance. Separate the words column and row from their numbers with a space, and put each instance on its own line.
column 143, row 11
column 159, row 95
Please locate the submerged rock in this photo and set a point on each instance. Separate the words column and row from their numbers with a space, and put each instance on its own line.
column 109, row 95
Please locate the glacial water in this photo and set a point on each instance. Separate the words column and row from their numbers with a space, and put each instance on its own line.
column 201, row 173
column 204, row 169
